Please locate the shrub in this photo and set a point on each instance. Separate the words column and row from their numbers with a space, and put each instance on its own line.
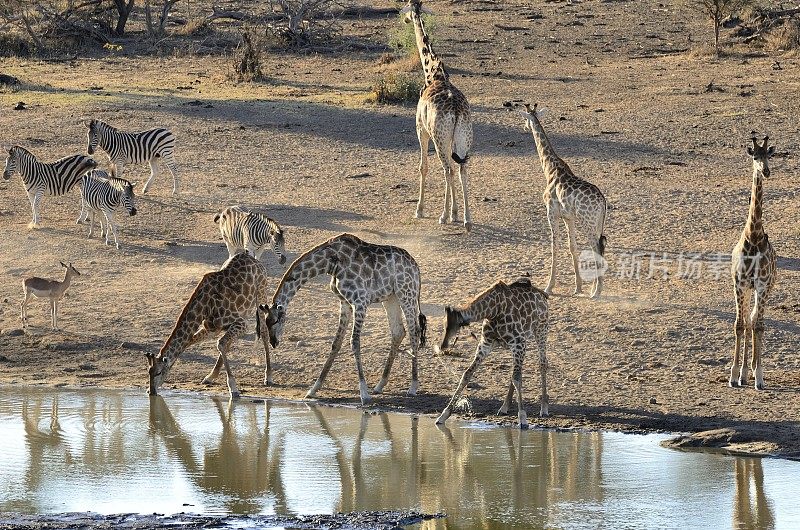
column 785, row 37
column 395, row 88
column 248, row 56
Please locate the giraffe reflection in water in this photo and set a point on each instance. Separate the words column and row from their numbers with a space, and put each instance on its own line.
column 751, row 508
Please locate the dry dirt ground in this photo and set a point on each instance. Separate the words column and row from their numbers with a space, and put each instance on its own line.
column 628, row 109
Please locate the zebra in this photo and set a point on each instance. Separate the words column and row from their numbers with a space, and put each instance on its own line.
column 242, row 229
column 41, row 178
column 153, row 147
column 103, row 193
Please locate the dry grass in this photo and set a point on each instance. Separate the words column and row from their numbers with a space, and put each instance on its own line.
column 248, row 57
column 196, row 27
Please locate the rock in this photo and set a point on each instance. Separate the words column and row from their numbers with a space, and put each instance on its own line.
column 20, row 106
column 637, row 343
column 653, row 401
column 4, row 359
column 301, row 344
column 14, row 332
column 8, row 80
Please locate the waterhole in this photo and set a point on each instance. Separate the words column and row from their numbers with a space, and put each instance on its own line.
column 113, row 452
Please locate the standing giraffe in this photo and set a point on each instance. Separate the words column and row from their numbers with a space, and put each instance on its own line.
column 512, row 316
column 754, row 270
column 569, row 198
column 222, row 302
column 443, row 116
column 361, row 274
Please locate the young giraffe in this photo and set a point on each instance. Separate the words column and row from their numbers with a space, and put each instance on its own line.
column 512, row 315
column 569, row 198
column 443, row 116
column 222, row 302
column 754, row 270
column 361, row 274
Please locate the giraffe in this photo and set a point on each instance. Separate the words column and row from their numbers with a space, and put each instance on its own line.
column 570, row 199
column 443, row 115
column 753, row 267
column 513, row 315
column 221, row 303
column 361, row 274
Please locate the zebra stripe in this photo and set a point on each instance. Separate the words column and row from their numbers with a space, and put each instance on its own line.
column 152, row 147
column 40, row 178
column 243, row 229
column 102, row 193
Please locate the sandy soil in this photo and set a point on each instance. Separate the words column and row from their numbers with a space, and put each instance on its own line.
column 627, row 109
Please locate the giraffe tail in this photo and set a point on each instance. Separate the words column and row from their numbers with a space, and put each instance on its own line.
column 601, row 245
column 423, row 327
column 460, row 161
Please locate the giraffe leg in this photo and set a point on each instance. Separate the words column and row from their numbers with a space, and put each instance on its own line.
column 345, row 316
column 518, row 351
column 359, row 314
column 453, row 216
column 53, row 313
column 739, row 329
column 415, row 335
column 552, row 219
column 483, row 350
column 153, row 171
column 424, row 143
column 448, row 181
column 224, row 346
column 573, row 250
column 507, row 401
column 395, row 316
column 757, row 319
column 598, row 263
column 541, row 344
column 462, row 175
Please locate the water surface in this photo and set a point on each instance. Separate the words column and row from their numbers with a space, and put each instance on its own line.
column 117, row 452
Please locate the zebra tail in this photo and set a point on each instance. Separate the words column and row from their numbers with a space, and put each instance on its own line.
column 216, row 217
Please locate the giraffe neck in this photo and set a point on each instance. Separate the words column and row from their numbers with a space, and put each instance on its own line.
column 188, row 324
column 432, row 66
column 754, row 228
column 481, row 307
column 318, row 260
column 551, row 162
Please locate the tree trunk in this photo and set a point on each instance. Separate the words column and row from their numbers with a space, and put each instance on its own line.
column 124, row 10
column 717, row 24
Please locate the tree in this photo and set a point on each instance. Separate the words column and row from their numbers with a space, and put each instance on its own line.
column 123, row 11
column 717, row 10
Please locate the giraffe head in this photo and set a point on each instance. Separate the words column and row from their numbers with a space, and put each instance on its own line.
column 274, row 317
column 531, row 113
column 414, row 8
column 761, row 154
column 454, row 321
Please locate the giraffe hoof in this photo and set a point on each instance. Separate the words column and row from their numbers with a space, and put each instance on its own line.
column 759, row 386
column 268, row 381
column 418, row 214
column 733, row 383
column 206, row 381
column 235, row 395
column 467, row 226
column 442, row 220
column 502, row 412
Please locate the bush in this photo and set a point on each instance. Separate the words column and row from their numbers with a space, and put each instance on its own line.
column 403, row 38
column 248, row 56
column 12, row 44
column 785, row 37
column 395, row 88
